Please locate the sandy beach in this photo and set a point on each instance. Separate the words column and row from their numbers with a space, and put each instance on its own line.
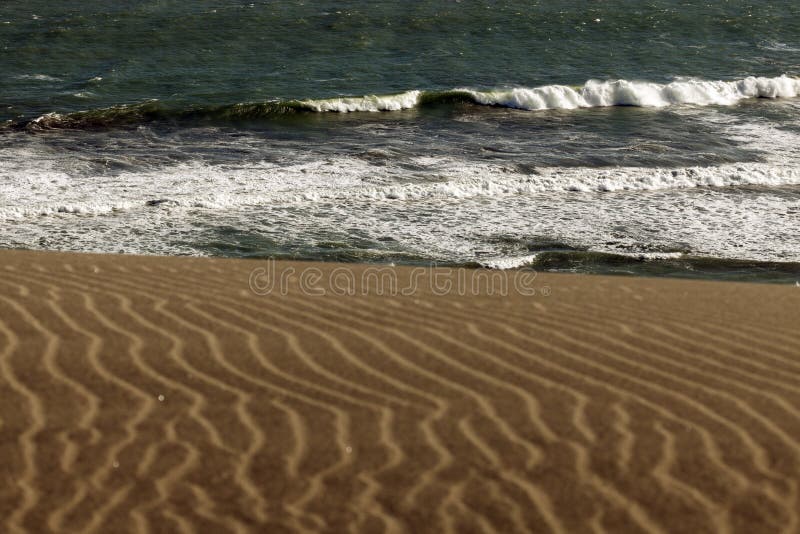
column 163, row 394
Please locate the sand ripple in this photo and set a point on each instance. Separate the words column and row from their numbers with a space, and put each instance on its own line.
column 160, row 395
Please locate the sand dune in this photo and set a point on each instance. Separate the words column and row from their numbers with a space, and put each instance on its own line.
column 165, row 395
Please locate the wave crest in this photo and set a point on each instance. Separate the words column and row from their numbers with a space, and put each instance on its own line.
column 592, row 94
column 641, row 94
column 407, row 100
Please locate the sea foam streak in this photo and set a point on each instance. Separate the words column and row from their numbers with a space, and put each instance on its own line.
column 348, row 180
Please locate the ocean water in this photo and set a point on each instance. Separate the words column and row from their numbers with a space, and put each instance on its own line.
column 646, row 137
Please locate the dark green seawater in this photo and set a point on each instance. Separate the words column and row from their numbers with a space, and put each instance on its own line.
column 656, row 138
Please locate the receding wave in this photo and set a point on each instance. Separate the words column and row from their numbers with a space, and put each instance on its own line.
column 592, row 94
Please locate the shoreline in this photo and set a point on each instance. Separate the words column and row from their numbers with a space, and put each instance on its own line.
column 146, row 393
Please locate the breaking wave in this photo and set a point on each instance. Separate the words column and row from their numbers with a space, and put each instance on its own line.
column 592, row 94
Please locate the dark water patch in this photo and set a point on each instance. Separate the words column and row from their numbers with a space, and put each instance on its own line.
column 161, row 202
column 534, row 244
column 155, row 112
column 549, row 255
column 230, row 241
column 692, row 267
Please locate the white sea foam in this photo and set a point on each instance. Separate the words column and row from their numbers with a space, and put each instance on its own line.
column 508, row 262
column 592, row 94
column 445, row 208
column 51, row 191
column 644, row 94
column 397, row 102
column 170, row 210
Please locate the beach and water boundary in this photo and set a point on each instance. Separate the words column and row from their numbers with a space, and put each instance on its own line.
column 345, row 267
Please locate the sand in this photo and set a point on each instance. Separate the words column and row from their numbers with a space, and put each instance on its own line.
column 168, row 395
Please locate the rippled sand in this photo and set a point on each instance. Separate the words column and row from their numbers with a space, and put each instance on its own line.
column 164, row 395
